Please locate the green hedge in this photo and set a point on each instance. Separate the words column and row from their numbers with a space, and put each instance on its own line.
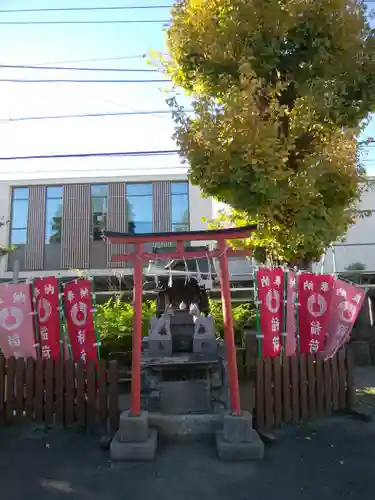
column 114, row 321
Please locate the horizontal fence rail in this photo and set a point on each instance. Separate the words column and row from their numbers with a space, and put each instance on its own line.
column 59, row 392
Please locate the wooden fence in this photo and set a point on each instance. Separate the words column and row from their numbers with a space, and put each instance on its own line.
column 59, row 392
column 289, row 389
column 297, row 388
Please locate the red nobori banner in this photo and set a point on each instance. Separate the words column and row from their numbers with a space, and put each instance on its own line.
column 46, row 296
column 314, row 297
column 17, row 327
column 290, row 339
column 80, row 321
column 347, row 300
column 270, row 286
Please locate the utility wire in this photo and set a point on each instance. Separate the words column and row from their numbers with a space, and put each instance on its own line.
column 95, row 59
column 21, row 80
column 121, row 106
column 89, row 171
column 112, row 21
column 81, row 9
column 88, row 115
column 166, row 152
column 64, row 68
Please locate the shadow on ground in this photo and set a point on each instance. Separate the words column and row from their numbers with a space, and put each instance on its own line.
column 334, row 461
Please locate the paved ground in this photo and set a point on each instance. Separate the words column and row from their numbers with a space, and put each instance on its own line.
column 333, row 461
column 330, row 461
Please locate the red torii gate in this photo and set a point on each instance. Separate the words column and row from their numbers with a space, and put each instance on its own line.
column 222, row 252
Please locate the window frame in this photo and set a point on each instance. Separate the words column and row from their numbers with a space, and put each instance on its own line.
column 48, row 198
column 182, row 193
column 140, row 195
column 14, row 199
column 94, row 197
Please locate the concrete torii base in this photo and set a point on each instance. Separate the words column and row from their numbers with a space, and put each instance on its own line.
column 238, row 440
column 134, row 440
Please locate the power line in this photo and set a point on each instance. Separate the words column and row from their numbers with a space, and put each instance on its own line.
column 88, row 115
column 96, row 59
column 21, row 80
column 117, row 169
column 81, row 9
column 112, row 21
column 166, row 152
column 108, row 101
column 64, row 68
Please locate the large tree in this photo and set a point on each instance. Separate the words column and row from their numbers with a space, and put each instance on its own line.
column 280, row 89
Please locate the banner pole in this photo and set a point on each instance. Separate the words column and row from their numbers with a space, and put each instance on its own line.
column 257, row 318
column 322, row 262
column 94, row 316
column 334, row 261
column 284, row 332
column 60, row 309
column 36, row 320
column 297, row 305
column 64, row 326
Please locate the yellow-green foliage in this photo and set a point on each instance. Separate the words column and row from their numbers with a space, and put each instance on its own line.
column 280, row 88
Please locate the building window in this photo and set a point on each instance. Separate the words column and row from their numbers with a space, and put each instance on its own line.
column 54, row 208
column 20, row 206
column 99, row 200
column 139, row 208
column 180, row 206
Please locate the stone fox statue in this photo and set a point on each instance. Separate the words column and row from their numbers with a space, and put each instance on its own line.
column 160, row 324
column 202, row 324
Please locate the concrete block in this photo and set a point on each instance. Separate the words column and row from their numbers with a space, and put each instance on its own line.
column 137, row 451
column 360, row 351
column 161, row 346
column 184, row 396
column 188, row 427
column 238, row 428
column 249, row 450
column 133, row 429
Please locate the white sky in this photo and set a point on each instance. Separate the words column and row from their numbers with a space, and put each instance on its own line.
column 38, row 44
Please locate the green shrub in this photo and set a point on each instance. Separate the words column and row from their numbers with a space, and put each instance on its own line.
column 115, row 322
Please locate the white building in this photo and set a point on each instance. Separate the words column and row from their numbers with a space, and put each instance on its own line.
column 56, row 225
column 358, row 246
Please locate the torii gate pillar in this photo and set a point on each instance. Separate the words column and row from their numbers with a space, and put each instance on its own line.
column 135, row 406
column 230, row 347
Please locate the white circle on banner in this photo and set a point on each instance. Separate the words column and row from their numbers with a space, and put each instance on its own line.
column 44, row 310
column 346, row 307
column 11, row 312
column 79, row 307
column 273, row 295
column 316, row 298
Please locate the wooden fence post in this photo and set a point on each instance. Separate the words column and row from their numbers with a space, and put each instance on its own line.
column 2, row 389
column 10, row 397
column 350, row 385
column 113, row 396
